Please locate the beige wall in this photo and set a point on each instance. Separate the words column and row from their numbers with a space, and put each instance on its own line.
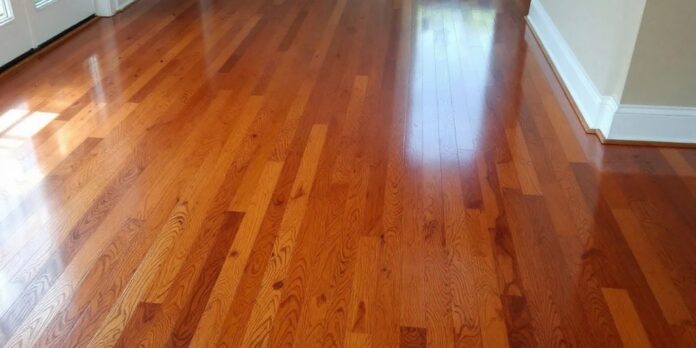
column 663, row 69
column 602, row 34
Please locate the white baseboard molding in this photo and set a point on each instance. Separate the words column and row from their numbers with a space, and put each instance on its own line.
column 595, row 109
column 602, row 114
column 649, row 123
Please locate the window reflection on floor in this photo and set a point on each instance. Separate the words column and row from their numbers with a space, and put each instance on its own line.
column 20, row 174
column 451, row 53
column 31, row 124
column 11, row 117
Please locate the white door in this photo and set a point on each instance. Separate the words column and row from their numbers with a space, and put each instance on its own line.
column 15, row 37
column 48, row 18
column 26, row 24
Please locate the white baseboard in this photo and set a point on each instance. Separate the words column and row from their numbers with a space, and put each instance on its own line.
column 602, row 114
column 654, row 124
column 596, row 110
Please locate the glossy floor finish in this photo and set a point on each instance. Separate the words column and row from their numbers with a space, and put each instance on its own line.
column 360, row 173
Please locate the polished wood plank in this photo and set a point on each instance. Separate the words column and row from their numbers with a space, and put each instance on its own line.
column 626, row 318
column 215, row 312
column 267, row 301
column 328, row 173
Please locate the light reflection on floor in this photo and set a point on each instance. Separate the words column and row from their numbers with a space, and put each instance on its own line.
column 11, row 117
column 20, row 189
column 451, row 53
column 19, row 175
column 31, row 124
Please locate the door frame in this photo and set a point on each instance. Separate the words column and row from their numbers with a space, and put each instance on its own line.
column 106, row 8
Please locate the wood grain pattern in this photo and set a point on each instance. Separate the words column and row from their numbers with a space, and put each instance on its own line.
column 267, row 300
column 355, row 173
column 413, row 337
column 210, row 325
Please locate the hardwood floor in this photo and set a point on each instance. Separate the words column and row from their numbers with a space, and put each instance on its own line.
column 359, row 173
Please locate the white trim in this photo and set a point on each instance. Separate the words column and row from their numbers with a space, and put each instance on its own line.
column 8, row 15
column 596, row 110
column 106, row 8
column 42, row 4
column 125, row 4
column 654, row 123
column 602, row 113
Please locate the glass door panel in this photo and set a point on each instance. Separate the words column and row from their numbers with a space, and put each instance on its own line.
column 4, row 13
